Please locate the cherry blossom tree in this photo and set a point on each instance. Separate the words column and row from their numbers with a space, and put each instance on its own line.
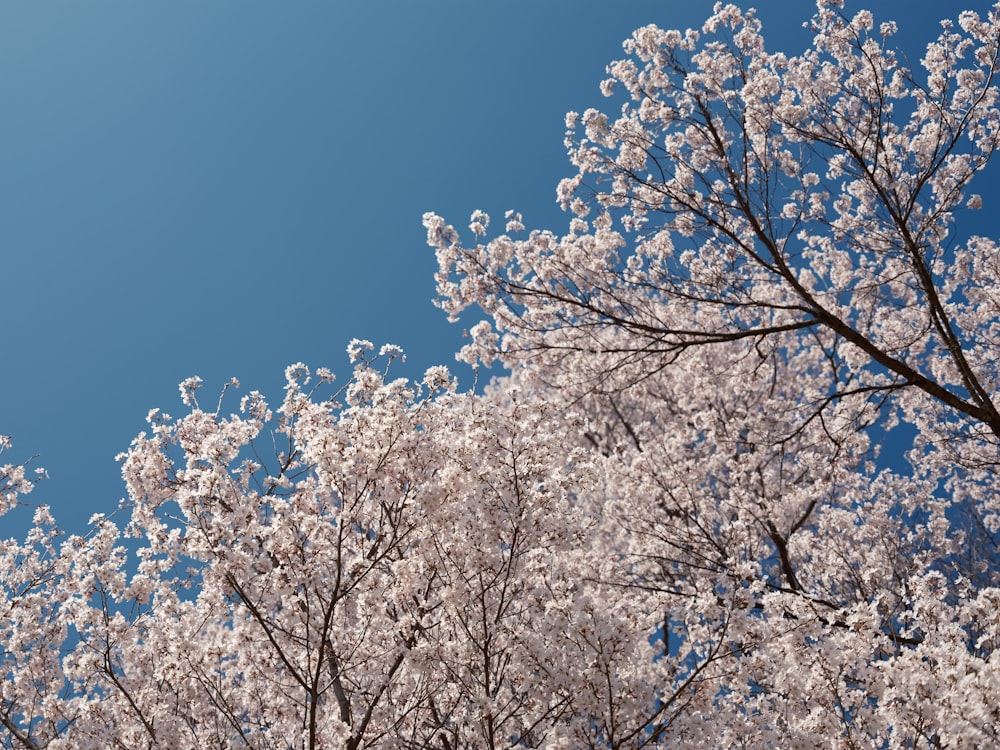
column 391, row 564
column 671, row 523
column 762, row 279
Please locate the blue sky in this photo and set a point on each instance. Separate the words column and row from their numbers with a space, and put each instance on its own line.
column 221, row 189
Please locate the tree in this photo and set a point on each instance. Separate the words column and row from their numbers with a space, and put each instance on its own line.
column 760, row 280
column 670, row 524
column 380, row 581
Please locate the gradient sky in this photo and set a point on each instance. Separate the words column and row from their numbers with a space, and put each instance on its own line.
column 224, row 188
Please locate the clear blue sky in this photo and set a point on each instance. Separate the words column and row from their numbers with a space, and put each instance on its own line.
column 223, row 188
